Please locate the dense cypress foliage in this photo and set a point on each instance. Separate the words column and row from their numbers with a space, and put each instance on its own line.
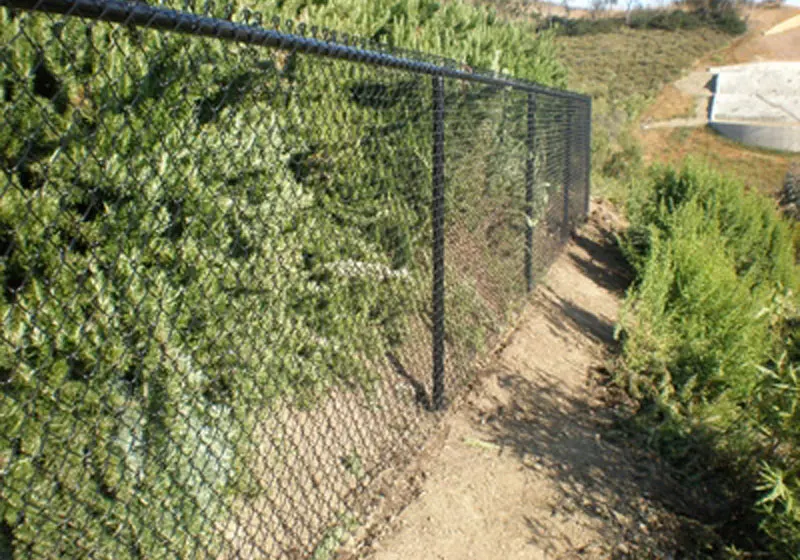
column 190, row 229
column 710, row 340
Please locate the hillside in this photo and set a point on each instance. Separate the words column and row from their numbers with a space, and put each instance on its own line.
column 195, row 234
column 762, row 169
column 624, row 72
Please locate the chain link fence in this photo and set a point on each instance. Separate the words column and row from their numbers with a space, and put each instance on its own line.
column 242, row 269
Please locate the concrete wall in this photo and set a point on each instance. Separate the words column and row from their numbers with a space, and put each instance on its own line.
column 758, row 104
column 775, row 137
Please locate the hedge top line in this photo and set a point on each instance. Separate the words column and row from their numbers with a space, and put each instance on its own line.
column 143, row 15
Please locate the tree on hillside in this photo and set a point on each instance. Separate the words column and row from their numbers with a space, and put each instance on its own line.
column 629, row 7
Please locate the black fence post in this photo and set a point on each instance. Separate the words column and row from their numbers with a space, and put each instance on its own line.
column 437, row 210
column 529, row 178
column 588, row 156
column 567, row 171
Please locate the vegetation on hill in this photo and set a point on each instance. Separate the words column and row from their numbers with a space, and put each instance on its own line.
column 470, row 35
column 631, row 66
column 165, row 253
column 710, row 343
column 623, row 72
column 623, row 63
column 710, row 329
column 723, row 20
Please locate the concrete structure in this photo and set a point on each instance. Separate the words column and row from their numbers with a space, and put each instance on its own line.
column 758, row 104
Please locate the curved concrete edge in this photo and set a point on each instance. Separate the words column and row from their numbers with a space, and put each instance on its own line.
column 783, row 138
column 749, row 66
column 786, row 25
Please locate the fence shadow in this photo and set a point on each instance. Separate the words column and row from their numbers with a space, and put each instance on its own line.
column 574, row 439
column 550, row 430
column 563, row 316
column 603, row 262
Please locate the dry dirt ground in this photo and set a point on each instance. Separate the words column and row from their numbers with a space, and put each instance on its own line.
column 525, row 467
column 757, row 47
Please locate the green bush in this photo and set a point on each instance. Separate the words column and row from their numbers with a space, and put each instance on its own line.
column 167, row 253
column 574, row 27
column 624, row 163
column 723, row 19
column 729, row 21
column 164, row 273
column 471, row 35
column 713, row 305
column 668, row 21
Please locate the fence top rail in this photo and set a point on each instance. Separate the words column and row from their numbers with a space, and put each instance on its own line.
column 155, row 17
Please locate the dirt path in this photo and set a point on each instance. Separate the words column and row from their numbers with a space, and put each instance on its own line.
column 525, row 470
column 760, row 45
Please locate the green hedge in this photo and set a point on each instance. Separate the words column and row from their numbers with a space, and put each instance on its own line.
column 191, row 229
column 722, row 19
column 709, row 333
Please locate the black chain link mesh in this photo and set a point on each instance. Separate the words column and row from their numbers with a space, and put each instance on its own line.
column 217, row 272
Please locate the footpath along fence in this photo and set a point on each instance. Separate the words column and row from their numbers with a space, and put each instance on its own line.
column 243, row 268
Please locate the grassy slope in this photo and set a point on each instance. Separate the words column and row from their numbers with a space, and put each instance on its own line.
column 762, row 169
column 633, row 64
column 624, row 72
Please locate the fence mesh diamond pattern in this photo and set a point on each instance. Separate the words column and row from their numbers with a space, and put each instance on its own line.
column 243, row 269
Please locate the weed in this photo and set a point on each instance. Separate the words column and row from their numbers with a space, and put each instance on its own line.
column 680, row 135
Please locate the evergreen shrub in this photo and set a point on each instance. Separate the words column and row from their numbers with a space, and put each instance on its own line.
column 192, row 229
column 709, row 333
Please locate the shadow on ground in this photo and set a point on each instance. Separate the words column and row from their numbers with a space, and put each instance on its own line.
column 570, row 436
column 625, row 489
column 602, row 261
column 538, row 461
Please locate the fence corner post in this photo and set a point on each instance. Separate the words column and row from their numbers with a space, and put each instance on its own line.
column 567, row 171
column 437, row 215
column 529, row 180
column 588, row 158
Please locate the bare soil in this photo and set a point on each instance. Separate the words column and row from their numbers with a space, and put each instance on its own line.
column 756, row 46
column 526, row 466
column 675, row 103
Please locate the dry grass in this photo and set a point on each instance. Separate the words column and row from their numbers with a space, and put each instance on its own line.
column 672, row 103
column 634, row 63
column 763, row 170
